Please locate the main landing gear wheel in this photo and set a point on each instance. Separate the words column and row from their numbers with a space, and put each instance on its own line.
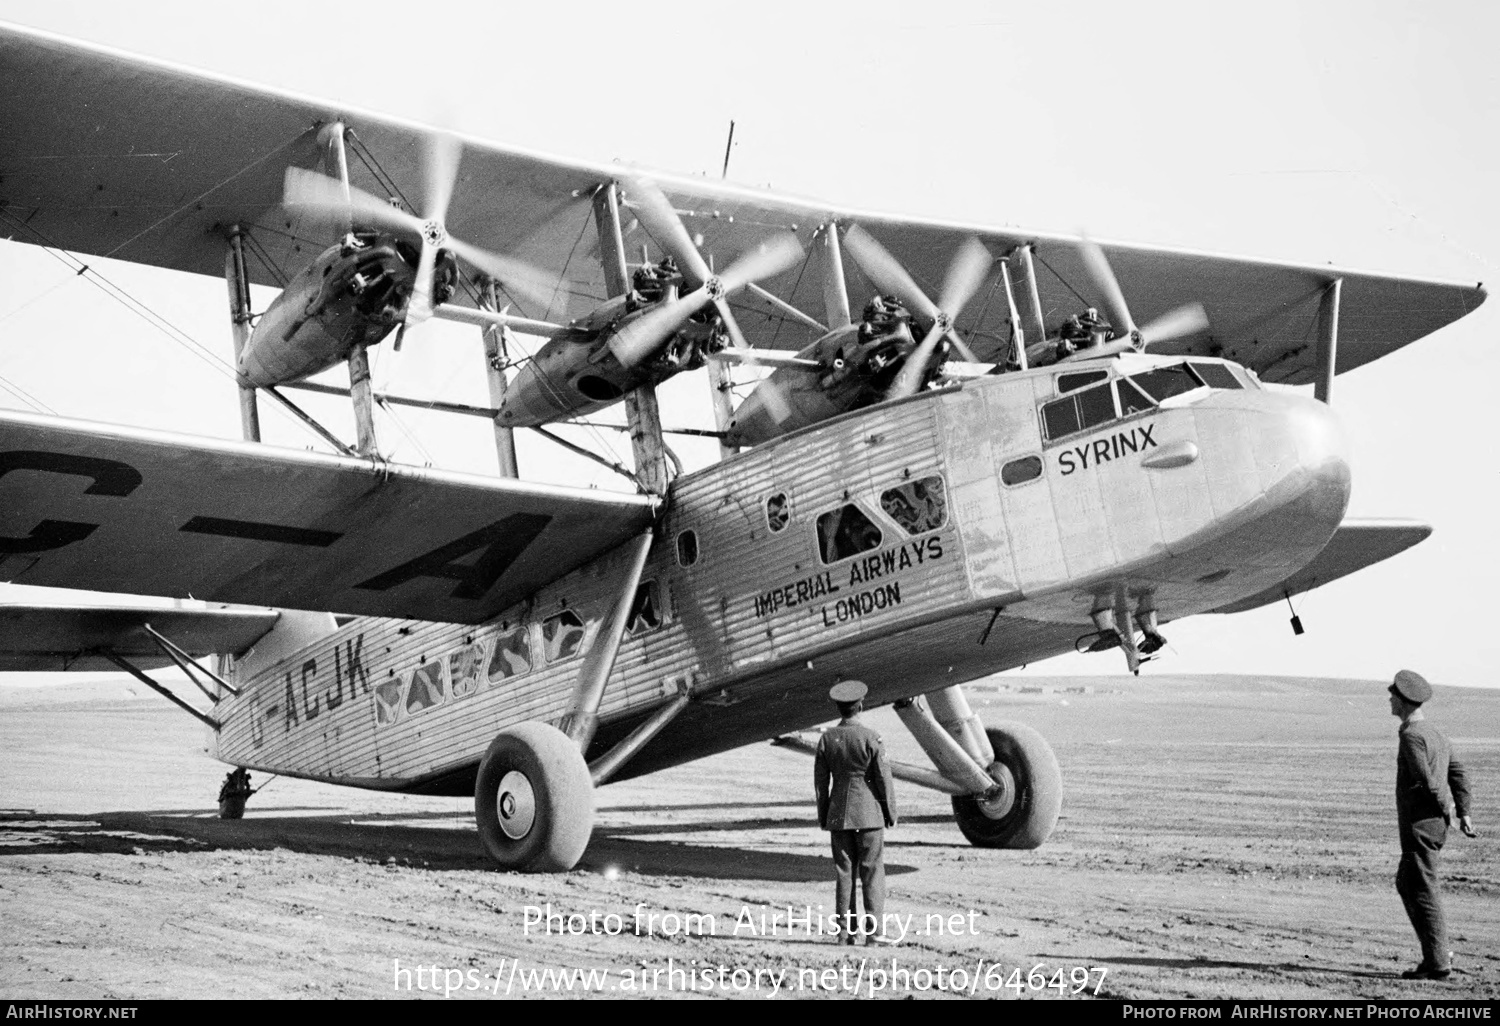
column 1024, row 811
column 534, row 800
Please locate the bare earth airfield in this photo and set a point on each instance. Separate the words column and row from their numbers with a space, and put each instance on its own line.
column 1220, row 837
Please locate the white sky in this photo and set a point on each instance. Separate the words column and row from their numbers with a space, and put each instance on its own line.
column 1361, row 134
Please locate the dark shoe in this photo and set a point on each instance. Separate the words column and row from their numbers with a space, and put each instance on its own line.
column 1426, row 972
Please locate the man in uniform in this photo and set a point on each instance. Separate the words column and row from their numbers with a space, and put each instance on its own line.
column 856, row 802
column 1430, row 789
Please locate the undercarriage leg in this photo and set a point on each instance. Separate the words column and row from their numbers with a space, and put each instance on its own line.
column 951, row 758
column 1012, row 782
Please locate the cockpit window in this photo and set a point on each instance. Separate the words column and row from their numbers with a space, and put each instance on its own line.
column 1216, row 375
column 1132, row 399
column 1164, row 382
column 1080, row 411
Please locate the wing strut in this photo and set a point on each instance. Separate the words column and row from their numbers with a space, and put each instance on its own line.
column 495, row 359
column 641, row 409
column 145, row 679
column 1328, row 340
column 188, row 666
column 336, row 163
column 581, row 720
column 239, row 321
column 1017, row 333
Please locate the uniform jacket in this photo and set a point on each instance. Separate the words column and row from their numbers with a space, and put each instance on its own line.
column 1429, row 778
column 853, row 779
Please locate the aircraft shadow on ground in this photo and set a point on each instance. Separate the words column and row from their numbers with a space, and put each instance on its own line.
column 1214, row 963
column 378, row 839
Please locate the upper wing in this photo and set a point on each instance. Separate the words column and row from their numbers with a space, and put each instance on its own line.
column 109, row 508
column 117, row 155
column 1354, row 546
column 67, row 637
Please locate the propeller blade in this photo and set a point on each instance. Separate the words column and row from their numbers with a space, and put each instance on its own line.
column 965, row 274
column 1104, row 280
column 640, row 338
column 322, row 196
column 440, row 156
column 643, row 336
column 914, row 370
column 419, row 307
column 516, row 275
column 655, row 211
column 887, row 273
column 1185, row 320
column 962, row 347
column 736, row 336
column 779, row 253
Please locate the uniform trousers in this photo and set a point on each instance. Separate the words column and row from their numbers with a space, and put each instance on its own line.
column 1417, row 883
column 859, row 851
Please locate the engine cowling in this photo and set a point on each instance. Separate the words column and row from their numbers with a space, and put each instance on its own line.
column 353, row 294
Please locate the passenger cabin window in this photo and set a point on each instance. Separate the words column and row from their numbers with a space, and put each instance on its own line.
column 562, row 636
column 778, row 512
column 464, row 669
column 426, row 687
column 1073, row 382
column 918, row 506
column 846, row 532
column 1079, row 412
column 1027, row 468
column 388, row 701
column 687, row 548
column 1216, row 375
column 1165, row 382
column 645, row 612
column 512, row 655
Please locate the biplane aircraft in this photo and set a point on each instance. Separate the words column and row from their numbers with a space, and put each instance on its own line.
column 975, row 449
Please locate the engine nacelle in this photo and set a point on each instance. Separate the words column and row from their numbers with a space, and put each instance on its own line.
column 577, row 374
column 354, row 294
column 857, row 366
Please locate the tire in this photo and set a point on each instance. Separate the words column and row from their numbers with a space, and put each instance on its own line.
column 539, row 776
column 1024, row 757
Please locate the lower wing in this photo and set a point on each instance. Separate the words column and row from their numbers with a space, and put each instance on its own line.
column 118, row 509
column 55, row 637
column 1354, row 546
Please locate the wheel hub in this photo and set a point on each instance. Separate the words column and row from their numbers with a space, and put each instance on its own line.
column 515, row 801
column 1000, row 799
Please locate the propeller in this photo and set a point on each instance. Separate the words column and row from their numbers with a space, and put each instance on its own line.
column 326, row 198
column 966, row 272
column 1188, row 319
column 639, row 339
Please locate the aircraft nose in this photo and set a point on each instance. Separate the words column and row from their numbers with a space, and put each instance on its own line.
column 1281, row 459
column 1319, row 470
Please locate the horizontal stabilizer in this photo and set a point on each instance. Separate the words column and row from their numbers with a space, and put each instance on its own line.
column 68, row 637
column 118, row 509
column 1354, row 546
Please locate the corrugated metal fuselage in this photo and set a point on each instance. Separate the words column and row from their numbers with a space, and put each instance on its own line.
column 888, row 545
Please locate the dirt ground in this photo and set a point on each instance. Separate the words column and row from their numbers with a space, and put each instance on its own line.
column 1220, row 838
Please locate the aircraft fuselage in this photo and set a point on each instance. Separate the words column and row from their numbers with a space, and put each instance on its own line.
column 912, row 545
